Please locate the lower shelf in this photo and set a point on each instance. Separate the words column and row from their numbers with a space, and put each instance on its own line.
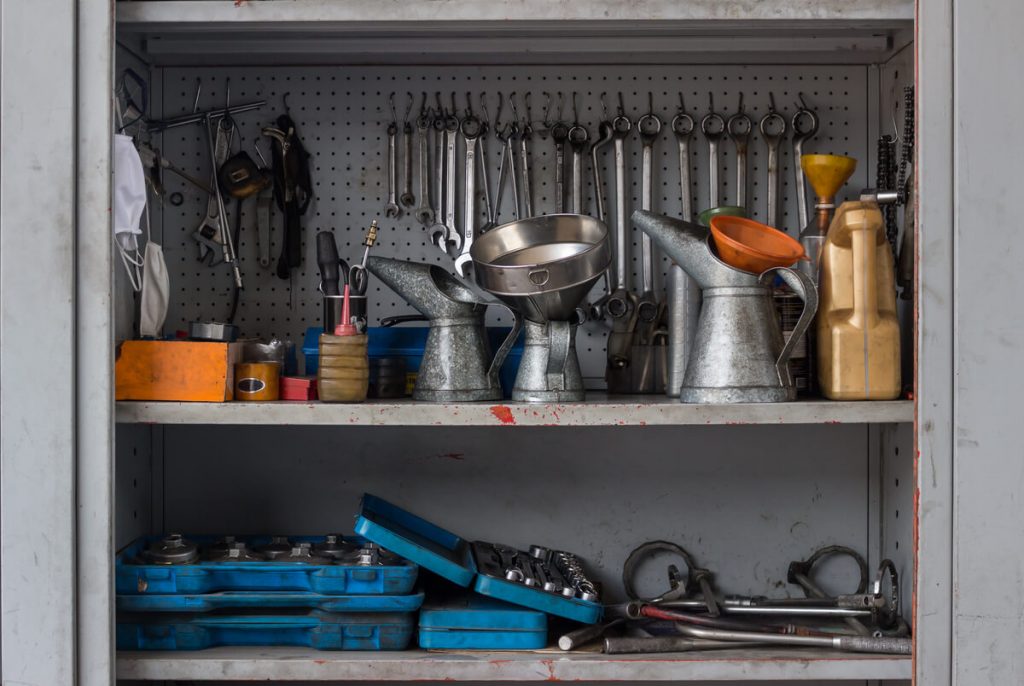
column 299, row 664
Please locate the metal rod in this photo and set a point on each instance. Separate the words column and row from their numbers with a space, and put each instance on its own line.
column 198, row 117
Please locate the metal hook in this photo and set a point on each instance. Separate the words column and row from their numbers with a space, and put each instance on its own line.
column 408, row 109
column 227, row 94
column 547, row 109
column 469, row 104
column 455, row 108
column 527, row 101
column 650, row 102
column 483, row 108
column 199, row 89
column 512, row 104
column 423, row 105
column 802, row 105
column 561, row 105
column 497, row 116
column 604, row 107
column 391, row 101
column 711, row 101
column 440, row 106
column 622, row 105
column 575, row 111
column 771, row 103
column 740, row 108
column 682, row 104
column 259, row 153
column 287, row 107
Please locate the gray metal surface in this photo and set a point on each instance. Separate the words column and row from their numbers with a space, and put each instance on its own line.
column 342, row 114
column 37, row 341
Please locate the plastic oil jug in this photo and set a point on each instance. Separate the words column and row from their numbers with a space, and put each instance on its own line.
column 858, row 332
column 344, row 372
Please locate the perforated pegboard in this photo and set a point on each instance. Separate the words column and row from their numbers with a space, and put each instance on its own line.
column 342, row 115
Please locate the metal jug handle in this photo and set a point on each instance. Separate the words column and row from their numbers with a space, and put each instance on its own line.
column 560, row 343
column 806, row 291
column 505, row 348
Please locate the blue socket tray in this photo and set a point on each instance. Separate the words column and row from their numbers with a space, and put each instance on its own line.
column 451, row 557
column 266, row 600
column 477, row 623
column 134, row 576
column 316, row 629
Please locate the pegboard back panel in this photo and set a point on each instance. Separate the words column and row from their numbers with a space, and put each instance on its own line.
column 342, row 115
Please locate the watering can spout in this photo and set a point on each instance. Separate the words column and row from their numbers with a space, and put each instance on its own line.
column 431, row 290
column 685, row 243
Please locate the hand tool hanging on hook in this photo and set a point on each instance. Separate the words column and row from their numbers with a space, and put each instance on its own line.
column 407, row 198
column 438, row 234
column 578, row 139
column 471, row 128
column 293, row 188
column 605, row 136
column 738, row 127
column 773, row 128
column 453, row 239
column 683, row 292
column 559, row 135
column 503, row 135
column 484, row 165
column 713, row 127
column 649, row 128
column 424, row 213
column 525, row 136
column 391, row 208
column 159, row 125
column 800, row 135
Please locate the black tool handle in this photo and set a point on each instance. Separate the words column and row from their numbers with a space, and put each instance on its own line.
column 327, row 258
column 291, row 251
column 402, row 319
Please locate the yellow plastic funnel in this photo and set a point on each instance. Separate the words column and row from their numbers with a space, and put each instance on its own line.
column 827, row 173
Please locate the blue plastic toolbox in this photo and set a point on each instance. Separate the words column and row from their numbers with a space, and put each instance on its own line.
column 463, row 563
column 477, row 623
column 315, row 629
column 208, row 602
column 391, row 576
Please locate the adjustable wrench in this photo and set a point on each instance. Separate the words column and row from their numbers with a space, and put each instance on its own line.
column 649, row 128
column 683, row 293
column 713, row 126
column 773, row 128
column 739, row 127
column 471, row 130
column 407, row 198
column 799, row 136
column 424, row 213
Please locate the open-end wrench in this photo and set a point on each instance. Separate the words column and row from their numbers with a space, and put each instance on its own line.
column 424, row 213
column 559, row 134
column 773, row 129
column 525, row 135
column 738, row 127
column 438, row 234
column 712, row 126
column 578, row 139
column 471, row 129
column 391, row 209
column 800, row 135
column 683, row 292
column 453, row 238
column 649, row 128
column 407, row 198
column 620, row 302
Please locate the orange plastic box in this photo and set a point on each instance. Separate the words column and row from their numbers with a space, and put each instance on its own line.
column 176, row 370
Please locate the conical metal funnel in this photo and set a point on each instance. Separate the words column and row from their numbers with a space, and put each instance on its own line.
column 543, row 266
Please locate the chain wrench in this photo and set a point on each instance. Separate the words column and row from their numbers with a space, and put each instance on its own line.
column 712, row 126
column 391, row 209
column 649, row 128
column 683, row 292
column 799, row 136
column 738, row 127
column 620, row 302
column 471, row 128
column 424, row 213
column 578, row 139
column 525, row 134
column 772, row 140
column 437, row 229
column 407, row 198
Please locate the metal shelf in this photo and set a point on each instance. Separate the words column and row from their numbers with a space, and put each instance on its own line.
column 599, row 410
column 299, row 664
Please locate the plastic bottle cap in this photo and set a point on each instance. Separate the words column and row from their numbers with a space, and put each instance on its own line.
column 345, row 327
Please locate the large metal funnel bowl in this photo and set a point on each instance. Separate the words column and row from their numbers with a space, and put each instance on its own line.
column 543, row 266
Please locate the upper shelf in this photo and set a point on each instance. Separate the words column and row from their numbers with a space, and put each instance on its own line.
column 525, row 31
column 599, row 410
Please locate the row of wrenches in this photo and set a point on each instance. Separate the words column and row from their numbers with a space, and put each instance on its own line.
column 437, row 186
column 551, row 571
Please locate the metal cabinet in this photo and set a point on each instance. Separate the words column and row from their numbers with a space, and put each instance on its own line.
column 759, row 486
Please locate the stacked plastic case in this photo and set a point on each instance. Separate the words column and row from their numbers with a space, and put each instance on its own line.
column 322, row 592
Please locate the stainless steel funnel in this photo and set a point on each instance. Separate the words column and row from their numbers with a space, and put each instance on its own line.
column 543, row 266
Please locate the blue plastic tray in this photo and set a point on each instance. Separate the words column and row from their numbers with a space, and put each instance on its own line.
column 319, row 630
column 448, row 555
column 477, row 623
column 268, row 600
column 132, row 577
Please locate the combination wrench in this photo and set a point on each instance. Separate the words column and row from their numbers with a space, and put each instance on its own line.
column 578, row 139
column 712, row 126
column 605, row 135
column 511, row 143
column 621, row 302
column 738, row 127
column 391, row 209
column 407, row 198
column 683, row 292
column 437, row 228
column 525, row 135
column 559, row 134
column 471, row 128
column 649, row 128
column 799, row 136
column 424, row 213
column 773, row 129
column 453, row 239
column 485, row 167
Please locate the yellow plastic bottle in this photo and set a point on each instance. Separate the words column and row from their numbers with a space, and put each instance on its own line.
column 858, row 331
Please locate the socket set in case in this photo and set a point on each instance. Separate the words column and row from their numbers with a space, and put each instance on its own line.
column 550, row 581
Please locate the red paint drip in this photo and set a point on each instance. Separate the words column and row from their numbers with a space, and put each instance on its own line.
column 504, row 414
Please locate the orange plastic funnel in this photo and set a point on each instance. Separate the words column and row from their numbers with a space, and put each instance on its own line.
column 752, row 246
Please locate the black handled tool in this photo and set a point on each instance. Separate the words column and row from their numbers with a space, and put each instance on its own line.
column 327, row 258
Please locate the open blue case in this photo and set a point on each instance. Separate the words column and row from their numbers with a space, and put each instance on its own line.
column 451, row 557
